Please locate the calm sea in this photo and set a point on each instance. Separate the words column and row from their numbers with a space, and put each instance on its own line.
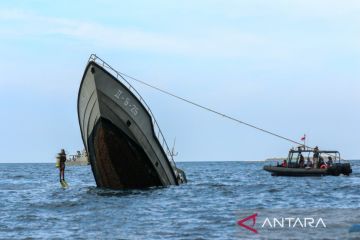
column 217, row 196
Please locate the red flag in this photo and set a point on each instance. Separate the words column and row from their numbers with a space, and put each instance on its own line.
column 303, row 138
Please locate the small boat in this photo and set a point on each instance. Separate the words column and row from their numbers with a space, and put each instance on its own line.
column 79, row 159
column 295, row 167
column 125, row 145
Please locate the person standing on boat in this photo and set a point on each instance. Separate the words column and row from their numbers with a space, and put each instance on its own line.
column 62, row 157
column 330, row 161
column 301, row 161
column 316, row 157
column 308, row 163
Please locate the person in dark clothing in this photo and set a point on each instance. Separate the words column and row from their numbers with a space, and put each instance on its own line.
column 330, row 161
column 301, row 161
column 62, row 157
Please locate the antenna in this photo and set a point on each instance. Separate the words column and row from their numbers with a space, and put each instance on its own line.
column 173, row 153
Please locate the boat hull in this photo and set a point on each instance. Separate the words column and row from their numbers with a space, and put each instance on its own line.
column 334, row 170
column 118, row 134
column 296, row 172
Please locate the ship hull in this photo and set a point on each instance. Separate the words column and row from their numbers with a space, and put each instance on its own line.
column 118, row 161
column 118, row 134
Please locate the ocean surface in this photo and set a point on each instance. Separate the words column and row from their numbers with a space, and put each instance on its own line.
column 216, row 197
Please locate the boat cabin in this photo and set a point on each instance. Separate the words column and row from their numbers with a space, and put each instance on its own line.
column 293, row 159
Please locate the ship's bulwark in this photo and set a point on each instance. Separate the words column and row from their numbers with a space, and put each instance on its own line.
column 117, row 161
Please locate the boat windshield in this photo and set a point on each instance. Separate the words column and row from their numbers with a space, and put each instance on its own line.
column 293, row 159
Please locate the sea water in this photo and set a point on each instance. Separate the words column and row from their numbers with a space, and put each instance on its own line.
column 209, row 206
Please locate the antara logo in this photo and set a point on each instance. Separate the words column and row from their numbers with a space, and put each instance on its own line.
column 290, row 222
column 287, row 222
column 253, row 218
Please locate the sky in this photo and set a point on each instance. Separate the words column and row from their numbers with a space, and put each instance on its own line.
column 291, row 67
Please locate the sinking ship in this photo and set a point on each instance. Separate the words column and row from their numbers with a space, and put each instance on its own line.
column 125, row 146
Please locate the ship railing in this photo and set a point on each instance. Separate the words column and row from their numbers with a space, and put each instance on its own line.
column 158, row 132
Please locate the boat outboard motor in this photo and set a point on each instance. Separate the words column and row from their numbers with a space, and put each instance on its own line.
column 346, row 169
column 335, row 169
column 340, row 168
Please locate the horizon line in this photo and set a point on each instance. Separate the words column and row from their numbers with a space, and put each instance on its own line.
column 354, row 159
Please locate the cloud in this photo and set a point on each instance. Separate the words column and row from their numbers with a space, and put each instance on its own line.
column 211, row 42
column 266, row 30
column 263, row 45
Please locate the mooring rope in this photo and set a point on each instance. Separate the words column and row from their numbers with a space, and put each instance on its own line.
column 211, row 110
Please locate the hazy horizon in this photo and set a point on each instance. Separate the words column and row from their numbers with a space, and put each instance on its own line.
column 186, row 161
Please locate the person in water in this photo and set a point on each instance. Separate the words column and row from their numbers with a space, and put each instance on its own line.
column 62, row 157
column 316, row 157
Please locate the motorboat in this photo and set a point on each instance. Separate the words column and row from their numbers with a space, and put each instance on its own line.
column 300, row 162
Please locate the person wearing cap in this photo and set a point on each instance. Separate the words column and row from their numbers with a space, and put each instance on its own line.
column 62, row 157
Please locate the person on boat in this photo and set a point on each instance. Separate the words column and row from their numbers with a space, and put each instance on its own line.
column 330, row 161
column 308, row 163
column 284, row 163
column 62, row 156
column 321, row 161
column 316, row 157
column 301, row 161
